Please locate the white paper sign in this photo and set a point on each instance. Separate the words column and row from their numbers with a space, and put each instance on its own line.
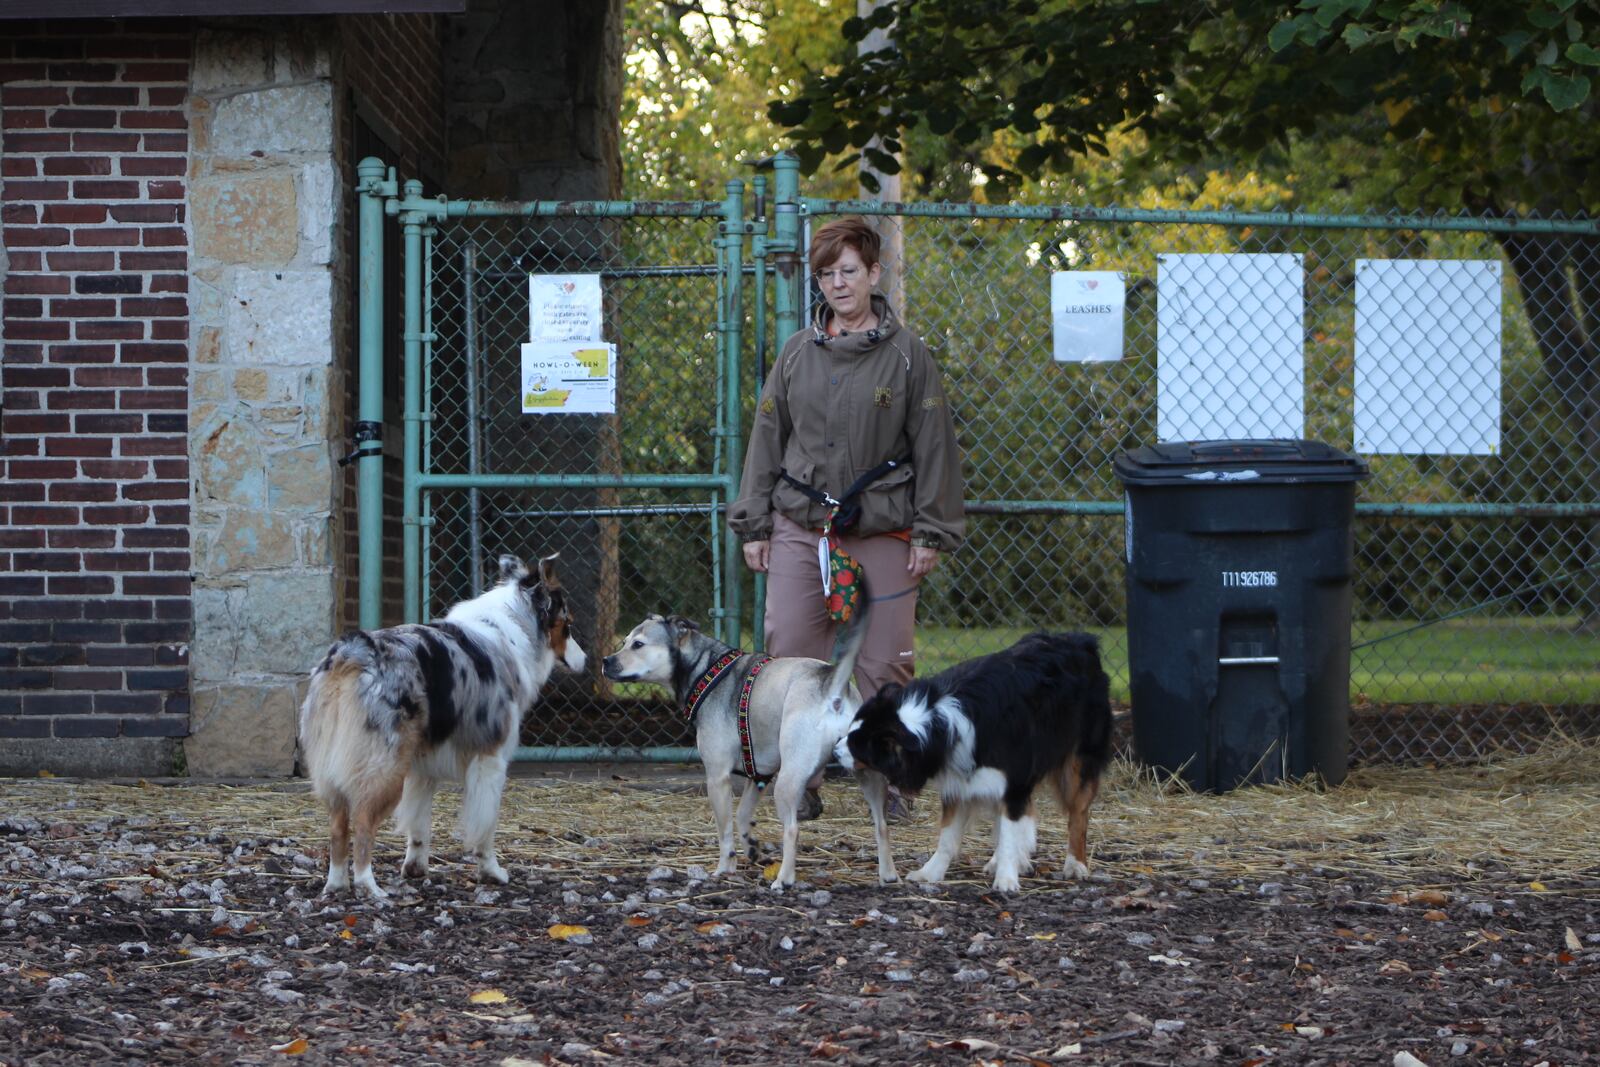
column 1086, row 315
column 1428, row 356
column 1230, row 346
column 569, row 378
column 564, row 307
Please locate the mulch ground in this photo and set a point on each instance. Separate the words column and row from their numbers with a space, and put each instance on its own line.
column 1449, row 915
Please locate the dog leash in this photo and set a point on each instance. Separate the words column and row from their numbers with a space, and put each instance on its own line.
column 707, row 681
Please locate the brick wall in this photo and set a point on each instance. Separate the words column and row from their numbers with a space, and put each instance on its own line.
column 94, row 515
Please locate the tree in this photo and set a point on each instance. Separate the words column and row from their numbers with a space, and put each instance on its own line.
column 1486, row 106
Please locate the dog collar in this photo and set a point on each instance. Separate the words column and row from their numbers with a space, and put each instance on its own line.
column 746, row 746
column 704, row 684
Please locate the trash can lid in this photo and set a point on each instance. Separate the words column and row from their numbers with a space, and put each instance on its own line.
column 1237, row 461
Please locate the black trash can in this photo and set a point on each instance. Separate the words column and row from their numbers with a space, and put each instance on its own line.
column 1239, row 563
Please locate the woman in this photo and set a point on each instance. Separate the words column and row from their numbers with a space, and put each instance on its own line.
column 855, row 389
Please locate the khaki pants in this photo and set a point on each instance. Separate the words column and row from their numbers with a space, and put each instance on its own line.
column 797, row 621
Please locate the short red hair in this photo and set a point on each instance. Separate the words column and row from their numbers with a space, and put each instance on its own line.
column 829, row 242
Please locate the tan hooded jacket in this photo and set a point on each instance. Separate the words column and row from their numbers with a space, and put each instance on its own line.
column 835, row 407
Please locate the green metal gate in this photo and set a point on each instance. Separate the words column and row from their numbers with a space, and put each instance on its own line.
column 1472, row 571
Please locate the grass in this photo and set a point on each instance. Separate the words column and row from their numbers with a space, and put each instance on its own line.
column 1463, row 661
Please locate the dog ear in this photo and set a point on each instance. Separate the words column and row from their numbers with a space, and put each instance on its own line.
column 682, row 628
column 547, row 570
column 890, row 693
column 512, row 568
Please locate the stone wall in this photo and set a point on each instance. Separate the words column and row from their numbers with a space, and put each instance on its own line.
column 535, row 88
column 263, row 418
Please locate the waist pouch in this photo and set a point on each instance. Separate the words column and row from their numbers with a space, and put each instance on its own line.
column 841, row 571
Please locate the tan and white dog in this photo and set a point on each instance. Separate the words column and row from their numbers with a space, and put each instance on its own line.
column 390, row 713
column 797, row 710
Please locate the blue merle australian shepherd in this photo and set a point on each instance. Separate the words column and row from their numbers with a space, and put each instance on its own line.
column 390, row 713
column 985, row 733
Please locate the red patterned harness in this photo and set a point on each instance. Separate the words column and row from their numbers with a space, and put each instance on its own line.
column 703, row 686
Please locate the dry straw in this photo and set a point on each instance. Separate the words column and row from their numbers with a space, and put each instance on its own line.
column 1530, row 819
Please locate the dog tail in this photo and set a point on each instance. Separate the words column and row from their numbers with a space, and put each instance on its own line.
column 339, row 747
column 855, row 635
column 1094, row 750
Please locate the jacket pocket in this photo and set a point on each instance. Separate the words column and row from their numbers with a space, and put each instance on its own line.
column 887, row 503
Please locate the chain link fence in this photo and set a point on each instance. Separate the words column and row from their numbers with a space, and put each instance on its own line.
column 623, row 552
column 1477, row 615
column 1476, row 611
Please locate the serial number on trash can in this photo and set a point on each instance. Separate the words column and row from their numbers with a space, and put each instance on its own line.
column 1249, row 579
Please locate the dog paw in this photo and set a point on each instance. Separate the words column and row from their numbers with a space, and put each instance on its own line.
column 332, row 888
column 888, row 879
column 724, row 869
column 370, row 886
column 493, row 872
column 1007, row 883
column 415, row 870
column 922, row 874
column 1074, row 869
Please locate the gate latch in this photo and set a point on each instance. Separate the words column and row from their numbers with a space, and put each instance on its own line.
column 366, row 433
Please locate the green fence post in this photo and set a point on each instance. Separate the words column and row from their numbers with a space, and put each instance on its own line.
column 732, row 334
column 410, row 554
column 369, row 403
column 785, row 245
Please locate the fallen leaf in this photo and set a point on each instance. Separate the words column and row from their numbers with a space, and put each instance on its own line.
column 1395, row 967
column 297, row 1047
column 45, row 774
column 561, row 931
column 1436, row 898
column 1572, row 940
column 351, row 920
column 976, row 1045
column 638, row 920
column 827, row 1050
column 488, row 996
column 347, row 934
column 770, row 871
column 1434, row 915
column 1313, row 1032
column 1537, row 887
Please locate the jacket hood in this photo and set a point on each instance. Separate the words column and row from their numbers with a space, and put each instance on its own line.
column 862, row 341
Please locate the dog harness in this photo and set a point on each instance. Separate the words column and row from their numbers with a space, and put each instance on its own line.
column 707, row 681
column 746, row 746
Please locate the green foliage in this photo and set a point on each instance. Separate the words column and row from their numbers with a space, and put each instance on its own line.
column 1467, row 94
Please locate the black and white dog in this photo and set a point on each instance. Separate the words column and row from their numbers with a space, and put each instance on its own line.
column 985, row 733
column 390, row 713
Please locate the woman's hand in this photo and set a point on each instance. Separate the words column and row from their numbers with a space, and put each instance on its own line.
column 757, row 554
column 922, row 560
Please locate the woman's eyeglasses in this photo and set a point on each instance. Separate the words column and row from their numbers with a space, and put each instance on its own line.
column 846, row 274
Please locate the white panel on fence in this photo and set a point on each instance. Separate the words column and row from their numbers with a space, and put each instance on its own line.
column 569, row 378
column 1230, row 346
column 1086, row 315
column 1428, row 356
column 564, row 307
